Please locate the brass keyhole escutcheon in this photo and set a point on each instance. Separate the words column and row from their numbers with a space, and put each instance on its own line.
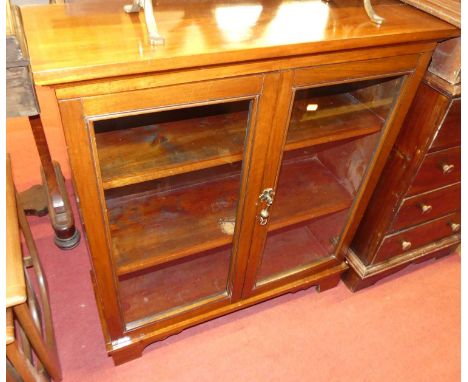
column 266, row 197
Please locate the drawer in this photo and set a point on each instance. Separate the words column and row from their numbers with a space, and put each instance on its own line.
column 437, row 170
column 430, row 205
column 416, row 237
column 449, row 133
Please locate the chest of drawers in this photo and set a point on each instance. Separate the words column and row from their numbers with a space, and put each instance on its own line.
column 414, row 213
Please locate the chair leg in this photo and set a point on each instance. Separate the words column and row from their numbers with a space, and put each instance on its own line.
column 23, row 367
column 11, row 374
column 35, row 262
column 61, row 215
column 47, row 356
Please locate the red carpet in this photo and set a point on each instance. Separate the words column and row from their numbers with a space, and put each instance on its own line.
column 406, row 328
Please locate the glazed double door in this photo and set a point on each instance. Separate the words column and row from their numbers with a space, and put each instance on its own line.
column 216, row 191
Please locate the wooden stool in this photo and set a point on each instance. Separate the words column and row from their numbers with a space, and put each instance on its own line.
column 24, row 308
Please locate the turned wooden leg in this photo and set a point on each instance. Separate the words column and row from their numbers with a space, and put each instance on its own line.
column 58, row 204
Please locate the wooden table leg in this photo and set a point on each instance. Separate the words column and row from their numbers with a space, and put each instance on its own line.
column 58, row 204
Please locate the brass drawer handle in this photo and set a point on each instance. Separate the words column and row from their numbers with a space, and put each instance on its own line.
column 425, row 208
column 447, row 168
column 405, row 245
column 267, row 197
column 455, row 227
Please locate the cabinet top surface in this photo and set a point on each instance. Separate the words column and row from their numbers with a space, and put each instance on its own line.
column 89, row 39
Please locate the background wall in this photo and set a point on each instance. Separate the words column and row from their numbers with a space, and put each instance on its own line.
column 22, row 148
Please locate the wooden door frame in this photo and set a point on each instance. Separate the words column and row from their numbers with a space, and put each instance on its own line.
column 412, row 67
column 78, row 116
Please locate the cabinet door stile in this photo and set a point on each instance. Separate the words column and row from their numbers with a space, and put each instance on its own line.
column 272, row 158
column 173, row 175
column 258, row 149
column 89, row 198
column 241, row 234
column 334, row 124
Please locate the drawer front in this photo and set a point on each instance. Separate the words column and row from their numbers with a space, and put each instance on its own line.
column 430, row 205
column 437, row 170
column 416, row 237
column 449, row 134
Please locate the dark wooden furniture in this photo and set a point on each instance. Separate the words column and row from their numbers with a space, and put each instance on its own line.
column 51, row 196
column 414, row 213
column 233, row 164
column 448, row 10
column 34, row 357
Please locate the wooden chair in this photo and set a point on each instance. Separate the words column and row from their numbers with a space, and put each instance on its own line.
column 29, row 314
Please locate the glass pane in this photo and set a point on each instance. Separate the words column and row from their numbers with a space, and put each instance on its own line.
column 174, row 285
column 332, row 135
column 298, row 245
column 173, row 182
column 340, row 111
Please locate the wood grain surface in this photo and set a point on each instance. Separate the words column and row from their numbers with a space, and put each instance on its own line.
column 417, row 236
column 15, row 285
column 146, row 225
column 74, row 42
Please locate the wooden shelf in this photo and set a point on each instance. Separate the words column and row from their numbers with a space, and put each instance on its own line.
column 190, row 213
column 173, row 142
column 144, row 153
column 306, row 190
column 337, row 117
column 155, row 227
